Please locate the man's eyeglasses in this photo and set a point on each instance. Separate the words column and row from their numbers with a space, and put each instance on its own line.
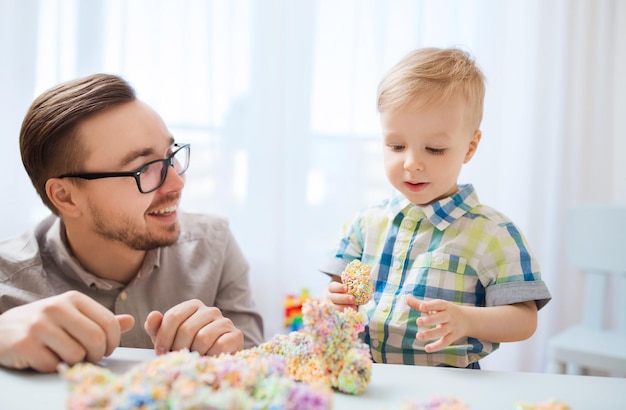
column 150, row 176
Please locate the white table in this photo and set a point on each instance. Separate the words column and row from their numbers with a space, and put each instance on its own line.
column 391, row 386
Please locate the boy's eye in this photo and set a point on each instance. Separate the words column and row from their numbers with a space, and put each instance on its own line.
column 396, row 147
column 436, row 151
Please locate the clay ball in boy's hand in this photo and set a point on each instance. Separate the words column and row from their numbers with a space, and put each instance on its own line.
column 356, row 276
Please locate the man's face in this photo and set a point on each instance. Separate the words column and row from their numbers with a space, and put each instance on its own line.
column 124, row 138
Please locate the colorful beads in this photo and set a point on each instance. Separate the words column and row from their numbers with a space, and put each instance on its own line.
column 183, row 379
column 548, row 405
column 327, row 349
column 356, row 276
column 438, row 403
column 293, row 371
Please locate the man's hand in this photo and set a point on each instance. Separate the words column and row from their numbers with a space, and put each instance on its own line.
column 68, row 328
column 195, row 326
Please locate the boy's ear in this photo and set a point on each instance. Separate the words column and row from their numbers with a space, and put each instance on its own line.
column 60, row 193
column 473, row 146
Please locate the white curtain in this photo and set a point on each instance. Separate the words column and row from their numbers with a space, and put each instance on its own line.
column 277, row 99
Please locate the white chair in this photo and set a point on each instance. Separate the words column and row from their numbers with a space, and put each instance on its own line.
column 596, row 239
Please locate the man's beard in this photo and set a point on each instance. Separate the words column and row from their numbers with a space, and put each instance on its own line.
column 123, row 231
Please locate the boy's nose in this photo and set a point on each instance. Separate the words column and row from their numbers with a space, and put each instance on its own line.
column 412, row 162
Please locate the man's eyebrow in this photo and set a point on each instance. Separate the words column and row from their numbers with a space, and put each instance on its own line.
column 140, row 153
column 133, row 155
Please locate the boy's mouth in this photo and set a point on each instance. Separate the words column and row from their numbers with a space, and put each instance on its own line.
column 415, row 186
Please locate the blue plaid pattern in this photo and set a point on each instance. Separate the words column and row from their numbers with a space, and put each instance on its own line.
column 455, row 249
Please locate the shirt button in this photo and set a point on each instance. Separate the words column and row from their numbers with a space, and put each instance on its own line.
column 123, row 295
column 375, row 343
column 439, row 259
column 408, row 224
column 396, row 265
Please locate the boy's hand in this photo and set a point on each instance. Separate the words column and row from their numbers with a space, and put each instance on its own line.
column 194, row 326
column 444, row 321
column 337, row 293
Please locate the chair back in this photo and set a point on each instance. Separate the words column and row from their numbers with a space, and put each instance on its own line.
column 596, row 245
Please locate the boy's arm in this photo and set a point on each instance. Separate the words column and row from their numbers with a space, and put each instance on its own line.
column 444, row 322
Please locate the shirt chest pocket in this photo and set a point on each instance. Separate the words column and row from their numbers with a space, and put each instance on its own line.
column 436, row 275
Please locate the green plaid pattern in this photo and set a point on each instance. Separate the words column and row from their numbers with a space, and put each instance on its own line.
column 455, row 249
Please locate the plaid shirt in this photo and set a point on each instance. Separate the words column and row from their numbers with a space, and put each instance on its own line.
column 454, row 249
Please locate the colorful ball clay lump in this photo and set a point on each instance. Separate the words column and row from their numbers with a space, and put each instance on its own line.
column 356, row 276
column 290, row 371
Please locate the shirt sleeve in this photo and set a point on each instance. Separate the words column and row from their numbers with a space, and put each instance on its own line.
column 510, row 271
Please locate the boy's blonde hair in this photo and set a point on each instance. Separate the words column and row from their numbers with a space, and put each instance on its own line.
column 433, row 75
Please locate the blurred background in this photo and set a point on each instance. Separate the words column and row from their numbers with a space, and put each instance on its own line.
column 277, row 98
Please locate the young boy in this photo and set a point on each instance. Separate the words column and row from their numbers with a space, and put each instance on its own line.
column 452, row 277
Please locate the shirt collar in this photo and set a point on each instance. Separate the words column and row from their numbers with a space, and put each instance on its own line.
column 441, row 213
column 56, row 244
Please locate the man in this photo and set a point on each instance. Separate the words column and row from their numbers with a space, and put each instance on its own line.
column 117, row 250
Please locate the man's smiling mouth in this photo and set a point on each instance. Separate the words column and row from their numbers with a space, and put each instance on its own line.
column 164, row 211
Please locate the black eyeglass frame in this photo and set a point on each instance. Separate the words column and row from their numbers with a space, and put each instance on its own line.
column 167, row 162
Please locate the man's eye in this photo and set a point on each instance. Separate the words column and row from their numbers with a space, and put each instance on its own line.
column 436, row 151
column 396, row 147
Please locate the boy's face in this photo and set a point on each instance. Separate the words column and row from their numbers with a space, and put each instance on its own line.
column 124, row 138
column 424, row 149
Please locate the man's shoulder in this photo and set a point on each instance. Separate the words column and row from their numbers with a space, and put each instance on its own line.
column 20, row 253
